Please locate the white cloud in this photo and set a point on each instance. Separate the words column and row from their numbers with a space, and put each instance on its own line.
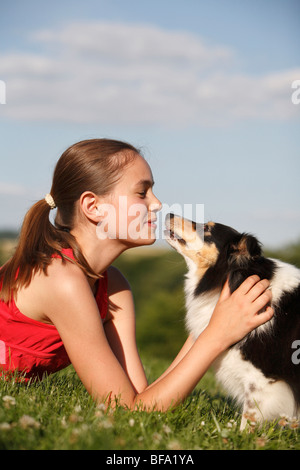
column 12, row 189
column 132, row 42
column 124, row 73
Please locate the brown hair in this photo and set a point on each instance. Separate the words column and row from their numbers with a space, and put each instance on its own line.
column 91, row 165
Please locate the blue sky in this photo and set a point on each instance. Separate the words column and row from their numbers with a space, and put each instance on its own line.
column 204, row 87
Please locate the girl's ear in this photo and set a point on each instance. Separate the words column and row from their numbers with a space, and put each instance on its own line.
column 89, row 203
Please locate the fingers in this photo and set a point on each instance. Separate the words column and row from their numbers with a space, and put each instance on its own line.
column 242, row 311
column 255, row 288
column 259, row 290
column 225, row 294
column 263, row 317
column 262, row 299
column 248, row 284
column 257, row 295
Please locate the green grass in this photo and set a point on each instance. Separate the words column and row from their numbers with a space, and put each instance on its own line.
column 58, row 414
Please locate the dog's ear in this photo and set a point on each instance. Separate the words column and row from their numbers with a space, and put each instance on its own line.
column 242, row 256
column 242, row 251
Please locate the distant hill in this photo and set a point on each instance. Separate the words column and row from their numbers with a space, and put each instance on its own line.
column 8, row 234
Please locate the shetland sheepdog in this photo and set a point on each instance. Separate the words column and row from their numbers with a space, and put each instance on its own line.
column 262, row 371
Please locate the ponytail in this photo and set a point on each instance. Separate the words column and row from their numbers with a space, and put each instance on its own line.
column 39, row 239
column 93, row 165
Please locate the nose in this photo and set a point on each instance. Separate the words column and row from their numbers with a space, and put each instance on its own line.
column 155, row 205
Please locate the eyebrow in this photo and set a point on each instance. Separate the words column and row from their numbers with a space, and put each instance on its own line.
column 146, row 183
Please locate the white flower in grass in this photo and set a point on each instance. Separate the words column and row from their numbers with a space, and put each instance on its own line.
column 8, row 401
column 28, row 422
column 5, row 426
column 166, row 429
column 156, row 437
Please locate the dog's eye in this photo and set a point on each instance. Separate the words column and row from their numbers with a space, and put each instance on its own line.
column 207, row 228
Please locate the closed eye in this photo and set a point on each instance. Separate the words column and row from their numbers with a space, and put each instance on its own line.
column 143, row 186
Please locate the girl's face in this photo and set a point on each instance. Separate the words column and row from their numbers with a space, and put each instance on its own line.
column 130, row 211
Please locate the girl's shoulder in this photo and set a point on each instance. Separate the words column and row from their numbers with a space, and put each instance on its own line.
column 64, row 275
column 62, row 280
column 62, row 289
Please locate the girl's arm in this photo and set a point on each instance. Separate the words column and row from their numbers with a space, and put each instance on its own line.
column 120, row 329
column 183, row 351
column 72, row 308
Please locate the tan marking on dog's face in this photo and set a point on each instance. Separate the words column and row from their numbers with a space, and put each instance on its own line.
column 184, row 228
column 204, row 258
column 207, row 228
column 192, row 245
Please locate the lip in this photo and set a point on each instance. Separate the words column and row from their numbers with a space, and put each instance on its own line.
column 151, row 222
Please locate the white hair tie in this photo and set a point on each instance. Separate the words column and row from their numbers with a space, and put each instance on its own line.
column 50, row 201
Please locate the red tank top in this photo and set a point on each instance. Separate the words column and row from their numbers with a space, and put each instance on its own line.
column 33, row 348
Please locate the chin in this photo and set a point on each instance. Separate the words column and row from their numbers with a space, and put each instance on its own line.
column 143, row 241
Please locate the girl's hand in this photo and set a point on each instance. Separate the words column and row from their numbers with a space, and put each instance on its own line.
column 237, row 314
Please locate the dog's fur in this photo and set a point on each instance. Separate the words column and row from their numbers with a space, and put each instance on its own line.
column 259, row 371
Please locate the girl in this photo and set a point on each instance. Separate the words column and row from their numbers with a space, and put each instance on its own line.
column 62, row 302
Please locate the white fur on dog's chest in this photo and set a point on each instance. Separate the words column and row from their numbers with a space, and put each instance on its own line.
column 199, row 309
column 229, row 367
